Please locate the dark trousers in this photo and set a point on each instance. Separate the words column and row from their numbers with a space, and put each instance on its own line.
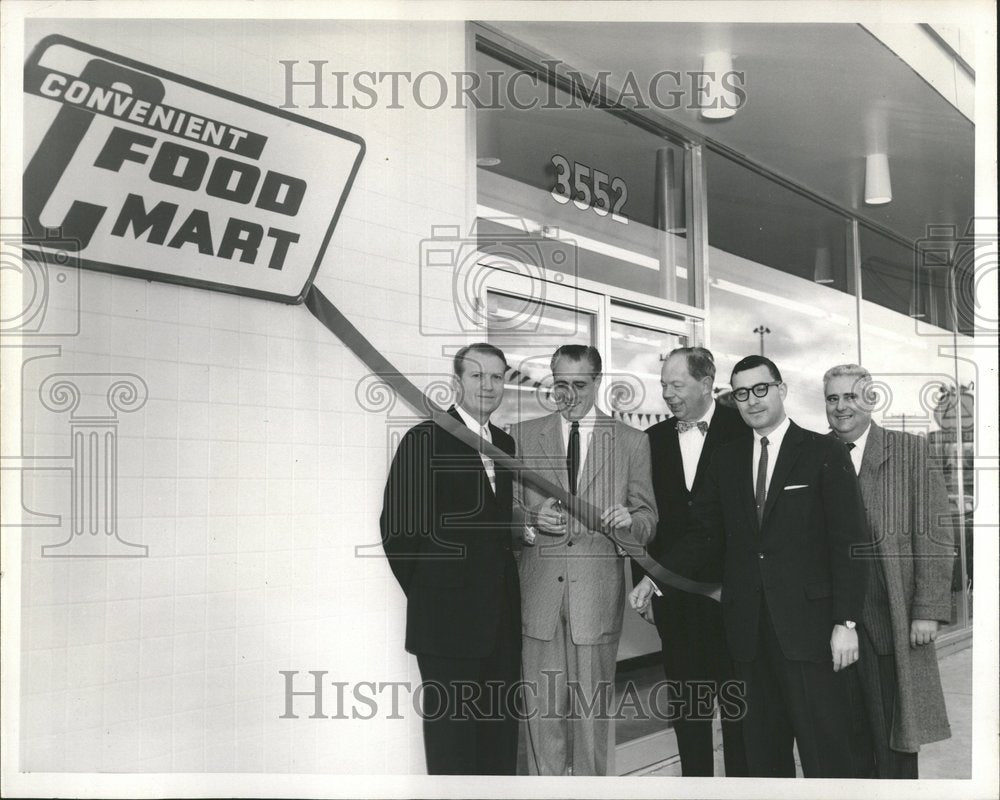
column 804, row 702
column 470, row 711
column 696, row 657
column 694, row 743
column 877, row 675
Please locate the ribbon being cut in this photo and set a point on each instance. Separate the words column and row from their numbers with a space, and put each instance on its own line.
column 335, row 321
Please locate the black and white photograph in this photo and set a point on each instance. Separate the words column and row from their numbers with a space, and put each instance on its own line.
column 499, row 399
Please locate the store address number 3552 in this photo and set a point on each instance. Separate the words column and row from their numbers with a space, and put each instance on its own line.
column 588, row 188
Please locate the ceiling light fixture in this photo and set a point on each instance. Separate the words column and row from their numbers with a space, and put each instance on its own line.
column 487, row 141
column 878, row 186
column 823, row 268
column 718, row 100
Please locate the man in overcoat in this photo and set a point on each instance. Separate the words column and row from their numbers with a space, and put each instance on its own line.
column 909, row 583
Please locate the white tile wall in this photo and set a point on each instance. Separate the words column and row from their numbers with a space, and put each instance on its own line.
column 251, row 473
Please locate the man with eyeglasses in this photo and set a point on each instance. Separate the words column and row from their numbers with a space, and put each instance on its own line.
column 783, row 510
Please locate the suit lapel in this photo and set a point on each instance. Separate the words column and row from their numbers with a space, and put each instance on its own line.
column 870, row 477
column 601, row 444
column 787, row 456
column 876, row 451
column 551, row 442
column 484, row 479
column 744, row 479
column 503, row 475
column 672, row 454
column 711, row 441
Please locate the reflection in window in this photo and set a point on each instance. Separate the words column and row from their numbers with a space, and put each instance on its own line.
column 633, row 374
column 894, row 278
column 526, row 394
column 612, row 190
column 752, row 216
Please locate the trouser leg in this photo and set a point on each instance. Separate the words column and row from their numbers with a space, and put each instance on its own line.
column 545, row 700
column 877, row 674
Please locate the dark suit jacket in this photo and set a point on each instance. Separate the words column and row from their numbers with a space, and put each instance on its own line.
column 799, row 559
column 672, row 496
column 448, row 541
column 689, row 625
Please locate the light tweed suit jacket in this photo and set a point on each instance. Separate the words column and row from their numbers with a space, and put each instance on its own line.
column 585, row 563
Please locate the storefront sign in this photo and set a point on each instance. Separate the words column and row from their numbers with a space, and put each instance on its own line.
column 154, row 175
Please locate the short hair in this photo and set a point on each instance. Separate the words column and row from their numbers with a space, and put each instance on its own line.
column 752, row 362
column 700, row 361
column 861, row 376
column 458, row 362
column 852, row 370
column 579, row 352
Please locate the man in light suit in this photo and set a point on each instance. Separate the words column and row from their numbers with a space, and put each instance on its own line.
column 783, row 509
column 690, row 625
column 446, row 530
column 909, row 583
column 572, row 579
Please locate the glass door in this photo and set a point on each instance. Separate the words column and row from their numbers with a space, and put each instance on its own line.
column 639, row 341
column 528, row 319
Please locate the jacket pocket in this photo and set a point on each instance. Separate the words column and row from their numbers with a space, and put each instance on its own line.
column 818, row 590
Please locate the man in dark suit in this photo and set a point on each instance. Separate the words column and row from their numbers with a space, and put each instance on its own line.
column 690, row 625
column 446, row 530
column 783, row 509
column 909, row 584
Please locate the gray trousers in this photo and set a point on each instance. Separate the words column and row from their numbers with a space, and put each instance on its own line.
column 565, row 737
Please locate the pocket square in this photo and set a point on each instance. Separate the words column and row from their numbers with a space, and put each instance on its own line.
column 797, row 486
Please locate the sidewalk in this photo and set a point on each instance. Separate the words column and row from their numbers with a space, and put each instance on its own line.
column 951, row 758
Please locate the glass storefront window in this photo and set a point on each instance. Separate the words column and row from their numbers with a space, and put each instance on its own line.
column 636, row 359
column 801, row 326
column 759, row 219
column 893, row 277
column 903, row 329
column 614, row 191
column 529, row 361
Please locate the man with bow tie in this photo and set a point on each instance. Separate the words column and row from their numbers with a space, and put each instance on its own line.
column 690, row 625
column 446, row 530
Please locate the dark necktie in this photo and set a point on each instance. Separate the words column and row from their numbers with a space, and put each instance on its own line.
column 684, row 427
column 850, row 446
column 761, row 493
column 573, row 456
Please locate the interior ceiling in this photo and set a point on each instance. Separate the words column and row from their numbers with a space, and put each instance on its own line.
column 820, row 97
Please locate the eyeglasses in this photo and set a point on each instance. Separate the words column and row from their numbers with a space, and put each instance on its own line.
column 759, row 390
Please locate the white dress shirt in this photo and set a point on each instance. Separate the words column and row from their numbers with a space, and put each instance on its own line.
column 692, row 442
column 774, row 440
column 587, row 422
column 858, row 451
column 484, row 431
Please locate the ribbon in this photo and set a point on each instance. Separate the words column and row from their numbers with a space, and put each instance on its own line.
column 590, row 515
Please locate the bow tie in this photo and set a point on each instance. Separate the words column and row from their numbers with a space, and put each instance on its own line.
column 684, row 427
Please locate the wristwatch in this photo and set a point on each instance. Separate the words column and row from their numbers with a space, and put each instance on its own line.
column 850, row 624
